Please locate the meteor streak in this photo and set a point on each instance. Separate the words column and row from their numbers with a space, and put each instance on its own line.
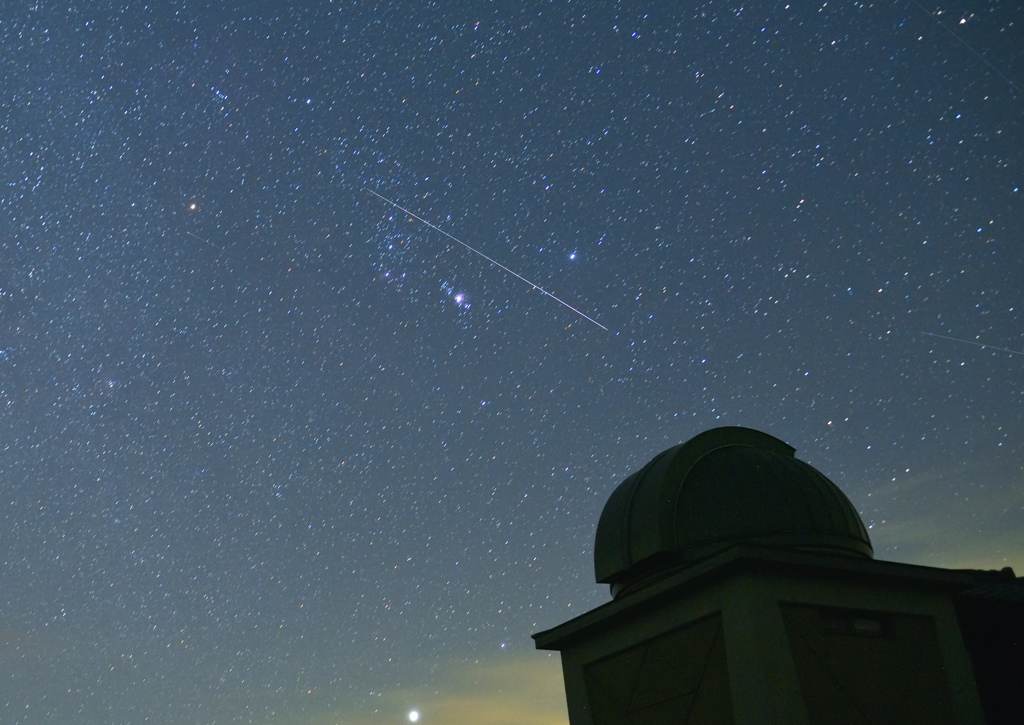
column 492, row 261
column 977, row 344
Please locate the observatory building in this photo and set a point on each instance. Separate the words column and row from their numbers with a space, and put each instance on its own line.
column 745, row 591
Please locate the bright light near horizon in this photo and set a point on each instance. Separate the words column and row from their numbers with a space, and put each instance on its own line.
column 414, row 715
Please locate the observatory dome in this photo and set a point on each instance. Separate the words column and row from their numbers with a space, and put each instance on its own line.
column 724, row 487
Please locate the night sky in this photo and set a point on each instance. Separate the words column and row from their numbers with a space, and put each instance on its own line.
column 274, row 451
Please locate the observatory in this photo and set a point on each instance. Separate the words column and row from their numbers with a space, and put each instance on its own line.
column 745, row 591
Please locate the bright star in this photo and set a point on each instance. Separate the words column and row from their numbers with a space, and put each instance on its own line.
column 414, row 715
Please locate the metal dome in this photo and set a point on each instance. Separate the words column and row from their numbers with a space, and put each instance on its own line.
column 724, row 487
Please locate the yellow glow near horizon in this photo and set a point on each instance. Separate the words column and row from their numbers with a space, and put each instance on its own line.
column 522, row 690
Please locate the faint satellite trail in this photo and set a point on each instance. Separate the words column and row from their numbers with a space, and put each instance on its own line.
column 982, row 345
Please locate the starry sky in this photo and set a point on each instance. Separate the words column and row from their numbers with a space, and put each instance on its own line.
column 273, row 450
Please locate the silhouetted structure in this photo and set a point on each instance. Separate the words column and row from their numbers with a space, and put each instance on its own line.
column 745, row 592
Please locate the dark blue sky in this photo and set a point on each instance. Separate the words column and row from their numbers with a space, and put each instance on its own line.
column 272, row 451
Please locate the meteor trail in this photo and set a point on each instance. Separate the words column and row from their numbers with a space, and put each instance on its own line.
column 977, row 344
column 228, row 252
column 492, row 261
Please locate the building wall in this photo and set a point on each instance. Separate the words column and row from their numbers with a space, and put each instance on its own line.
column 679, row 677
column 767, row 648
